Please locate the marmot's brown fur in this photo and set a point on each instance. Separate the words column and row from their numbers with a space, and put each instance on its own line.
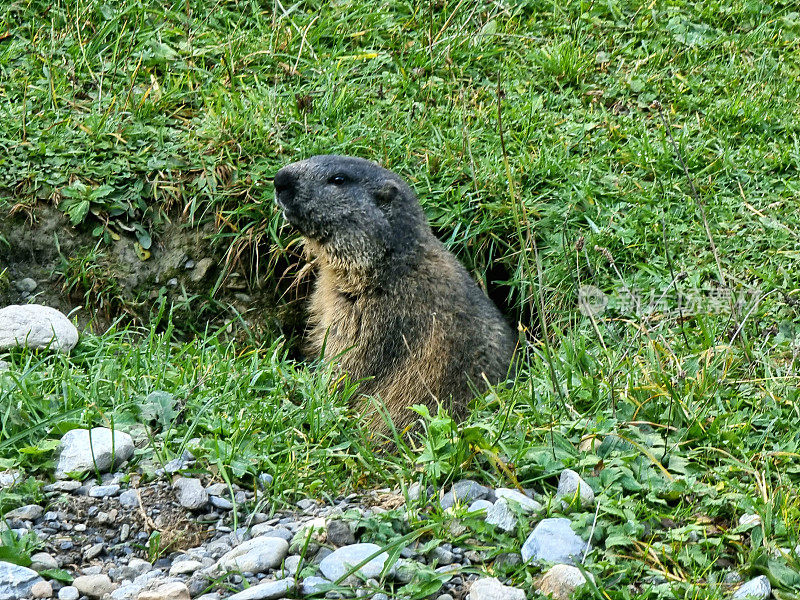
column 392, row 306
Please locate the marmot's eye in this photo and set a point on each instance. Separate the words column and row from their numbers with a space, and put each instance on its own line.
column 337, row 179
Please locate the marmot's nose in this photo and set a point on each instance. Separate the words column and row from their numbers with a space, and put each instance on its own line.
column 285, row 184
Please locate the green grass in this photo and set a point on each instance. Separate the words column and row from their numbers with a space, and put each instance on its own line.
column 530, row 132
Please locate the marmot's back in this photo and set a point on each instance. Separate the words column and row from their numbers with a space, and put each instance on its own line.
column 391, row 304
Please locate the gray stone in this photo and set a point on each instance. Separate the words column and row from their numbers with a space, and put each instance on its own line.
column 528, row 505
column 258, row 555
column 29, row 512
column 185, row 567
column 464, row 492
column 41, row 561
column 190, row 493
column 267, row 530
column 94, row 551
column 571, row 486
column 173, row 466
column 102, row 491
column 82, row 450
column 36, row 326
column 314, row 585
column 69, row 592
column 339, row 533
column 501, row 516
column 67, row 486
column 4, row 366
column 337, row 564
column 16, row 582
column 755, row 589
column 479, row 505
column 490, row 588
column 221, row 503
column 27, row 284
column 553, row 540
column 268, row 590
column 201, row 269
column 265, row 480
column 94, row 586
column 560, row 582
column 9, row 478
column 129, row 499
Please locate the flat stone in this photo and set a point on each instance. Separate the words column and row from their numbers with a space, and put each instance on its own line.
column 269, row 590
column 83, row 450
column 340, row 562
column 560, row 582
column 68, row 486
column 755, row 589
column 528, row 505
column 553, row 540
column 27, row 284
column 29, row 512
column 490, row 588
column 36, row 326
column 16, row 582
column 94, row 551
column 464, row 492
column 173, row 590
column 94, row 586
column 190, row 493
column 102, row 491
column 258, row 555
column 571, row 486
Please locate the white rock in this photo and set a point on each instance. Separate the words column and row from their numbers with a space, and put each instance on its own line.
column 258, row 555
column 94, row 586
column 340, row 562
column 269, row 590
column 571, row 486
column 4, row 366
column 560, row 582
column 501, row 516
column 16, row 582
column 755, row 589
column 173, row 590
column 82, row 450
column 490, row 588
column 36, row 326
column 529, row 505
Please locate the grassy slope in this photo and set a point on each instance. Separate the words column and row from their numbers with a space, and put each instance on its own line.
column 191, row 106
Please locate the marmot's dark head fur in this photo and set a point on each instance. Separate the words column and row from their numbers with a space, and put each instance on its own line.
column 355, row 211
column 392, row 306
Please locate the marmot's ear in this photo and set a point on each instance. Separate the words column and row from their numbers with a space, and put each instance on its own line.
column 388, row 191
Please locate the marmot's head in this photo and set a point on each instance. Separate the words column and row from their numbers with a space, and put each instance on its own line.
column 353, row 210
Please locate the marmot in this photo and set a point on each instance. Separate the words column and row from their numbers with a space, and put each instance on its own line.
column 392, row 306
